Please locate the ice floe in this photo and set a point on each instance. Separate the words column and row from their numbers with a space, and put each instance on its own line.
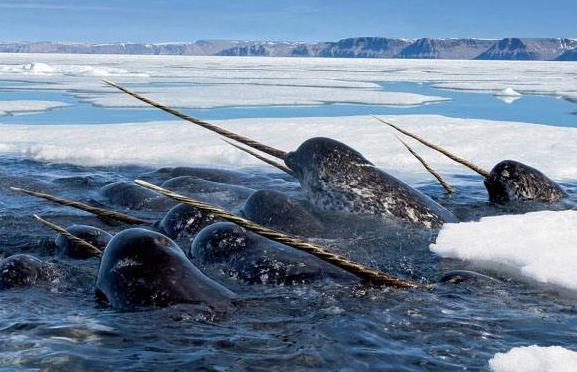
column 76, row 72
column 535, row 359
column 539, row 246
column 553, row 149
column 21, row 107
column 508, row 95
column 37, row 68
column 48, row 72
column 211, row 96
column 508, row 92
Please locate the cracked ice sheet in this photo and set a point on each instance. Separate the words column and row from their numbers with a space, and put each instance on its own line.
column 79, row 72
column 171, row 143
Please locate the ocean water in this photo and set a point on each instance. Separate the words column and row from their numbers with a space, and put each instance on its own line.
column 58, row 324
column 538, row 109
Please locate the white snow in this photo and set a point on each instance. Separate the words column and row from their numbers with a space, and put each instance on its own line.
column 211, row 96
column 508, row 95
column 37, row 68
column 50, row 72
column 21, row 107
column 539, row 246
column 261, row 78
column 535, row 359
column 204, row 82
column 553, row 149
column 508, row 92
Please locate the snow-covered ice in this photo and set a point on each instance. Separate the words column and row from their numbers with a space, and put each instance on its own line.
column 252, row 80
column 21, row 107
column 40, row 70
column 508, row 95
column 37, row 68
column 553, row 149
column 539, row 246
column 211, row 96
column 535, row 359
column 508, row 92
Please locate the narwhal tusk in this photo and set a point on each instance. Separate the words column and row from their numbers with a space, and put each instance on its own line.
column 373, row 276
column 223, row 132
column 101, row 212
column 74, row 238
column 260, row 157
column 435, row 174
column 451, row 156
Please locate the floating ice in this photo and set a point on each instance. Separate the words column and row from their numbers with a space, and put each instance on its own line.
column 508, row 92
column 508, row 95
column 539, row 246
column 73, row 71
column 535, row 359
column 28, row 107
column 211, row 96
column 553, row 149
column 38, row 68
column 56, row 72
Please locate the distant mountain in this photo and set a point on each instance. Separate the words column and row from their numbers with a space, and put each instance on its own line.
column 263, row 49
column 569, row 55
column 445, row 48
column 528, row 49
column 201, row 47
column 364, row 47
column 358, row 47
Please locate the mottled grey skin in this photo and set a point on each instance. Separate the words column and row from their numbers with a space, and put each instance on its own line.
column 335, row 177
column 20, row 270
column 182, row 221
column 144, row 268
column 132, row 196
column 276, row 210
column 93, row 235
column 511, row 181
column 221, row 194
column 461, row 276
column 256, row 260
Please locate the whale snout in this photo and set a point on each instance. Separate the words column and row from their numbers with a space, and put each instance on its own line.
column 291, row 161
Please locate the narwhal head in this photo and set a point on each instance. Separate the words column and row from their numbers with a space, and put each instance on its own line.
column 324, row 158
column 511, row 181
column 508, row 181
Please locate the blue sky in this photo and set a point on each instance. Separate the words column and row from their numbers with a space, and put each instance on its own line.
column 312, row 20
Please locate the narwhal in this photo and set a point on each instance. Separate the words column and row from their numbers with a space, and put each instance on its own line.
column 335, row 177
column 508, row 181
column 138, row 268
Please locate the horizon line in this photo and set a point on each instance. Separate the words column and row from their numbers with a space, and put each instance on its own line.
column 289, row 41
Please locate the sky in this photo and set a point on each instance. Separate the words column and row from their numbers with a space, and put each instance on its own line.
column 291, row 20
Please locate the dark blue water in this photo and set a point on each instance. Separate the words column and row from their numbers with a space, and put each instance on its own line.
column 548, row 110
column 58, row 325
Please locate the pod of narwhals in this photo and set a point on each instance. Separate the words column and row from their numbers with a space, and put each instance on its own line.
column 156, row 264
